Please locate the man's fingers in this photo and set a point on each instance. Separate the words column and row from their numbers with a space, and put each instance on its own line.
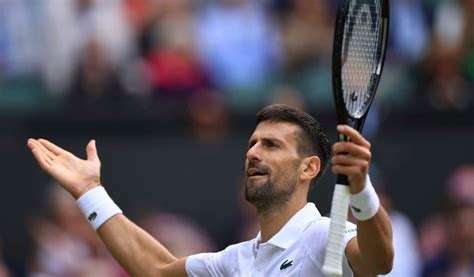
column 35, row 145
column 348, row 170
column 349, row 148
column 40, row 157
column 353, row 134
column 347, row 160
column 30, row 144
column 45, row 152
column 52, row 147
column 92, row 151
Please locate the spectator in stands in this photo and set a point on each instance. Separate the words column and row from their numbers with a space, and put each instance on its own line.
column 172, row 64
column 142, row 16
column 408, row 31
column 457, row 259
column 448, row 87
column 239, row 47
column 19, row 51
column 432, row 237
column 20, row 81
column 96, row 83
column 457, row 256
column 307, row 34
column 468, row 41
column 68, row 26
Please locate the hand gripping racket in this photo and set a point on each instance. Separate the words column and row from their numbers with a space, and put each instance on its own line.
column 360, row 40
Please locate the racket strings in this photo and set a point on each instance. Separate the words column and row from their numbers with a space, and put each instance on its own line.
column 360, row 54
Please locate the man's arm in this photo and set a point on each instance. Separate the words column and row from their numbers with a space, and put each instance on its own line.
column 138, row 252
column 371, row 252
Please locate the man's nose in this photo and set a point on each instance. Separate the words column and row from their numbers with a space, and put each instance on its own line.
column 253, row 153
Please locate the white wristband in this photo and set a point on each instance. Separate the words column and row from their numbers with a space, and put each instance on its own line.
column 366, row 203
column 97, row 206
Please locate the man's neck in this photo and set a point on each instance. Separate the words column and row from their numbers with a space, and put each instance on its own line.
column 272, row 220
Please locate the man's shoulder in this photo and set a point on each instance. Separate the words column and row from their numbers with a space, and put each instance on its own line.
column 319, row 226
column 222, row 262
column 242, row 248
column 244, row 244
column 314, row 238
column 318, row 230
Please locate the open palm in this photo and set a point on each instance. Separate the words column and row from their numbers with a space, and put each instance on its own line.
column 75, row 175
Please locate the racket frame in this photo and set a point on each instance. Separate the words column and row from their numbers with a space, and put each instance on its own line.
column 343, row 116
column 340, row 203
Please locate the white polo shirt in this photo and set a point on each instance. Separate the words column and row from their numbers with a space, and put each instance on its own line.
column 298, row 249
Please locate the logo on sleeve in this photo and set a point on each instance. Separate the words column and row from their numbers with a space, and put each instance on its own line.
column 352, row 230
column 92, row 216
column 286, row 264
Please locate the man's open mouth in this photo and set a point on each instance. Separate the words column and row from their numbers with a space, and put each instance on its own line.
column 252, row 172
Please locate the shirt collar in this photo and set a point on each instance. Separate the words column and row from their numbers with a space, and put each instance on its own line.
column 292, row 230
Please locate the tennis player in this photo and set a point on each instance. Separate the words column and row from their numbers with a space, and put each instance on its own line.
column 287, row 153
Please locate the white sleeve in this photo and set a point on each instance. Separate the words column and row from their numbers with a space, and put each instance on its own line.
column 349, row 232
column 318, row 241
column 205, row 264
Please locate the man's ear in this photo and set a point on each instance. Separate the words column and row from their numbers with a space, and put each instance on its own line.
column 310, row 168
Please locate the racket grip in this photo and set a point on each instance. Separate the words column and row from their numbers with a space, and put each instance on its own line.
column 335, row 245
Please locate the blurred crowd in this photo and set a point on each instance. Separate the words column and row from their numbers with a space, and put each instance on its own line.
column 209, row 57
column 241, row 53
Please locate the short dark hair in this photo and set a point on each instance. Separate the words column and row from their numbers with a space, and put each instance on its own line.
column 313, row 141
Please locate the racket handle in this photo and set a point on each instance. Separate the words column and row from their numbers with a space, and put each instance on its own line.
column 335, row 246
column 342, row 180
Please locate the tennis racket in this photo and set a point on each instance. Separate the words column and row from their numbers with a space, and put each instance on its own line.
column 360, row 40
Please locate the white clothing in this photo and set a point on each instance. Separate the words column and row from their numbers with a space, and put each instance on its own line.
column 298, row 249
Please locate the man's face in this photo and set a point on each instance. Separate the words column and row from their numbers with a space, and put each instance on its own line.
column 272, row 164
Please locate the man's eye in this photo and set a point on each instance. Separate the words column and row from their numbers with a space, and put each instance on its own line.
column 270, row 144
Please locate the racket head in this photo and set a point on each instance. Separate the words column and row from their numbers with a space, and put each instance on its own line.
column 360, row 41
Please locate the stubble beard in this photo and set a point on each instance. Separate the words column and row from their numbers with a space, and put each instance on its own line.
column 269, row 196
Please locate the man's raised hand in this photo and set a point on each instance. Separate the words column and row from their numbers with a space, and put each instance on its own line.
column 75, row 175
column 352, row 158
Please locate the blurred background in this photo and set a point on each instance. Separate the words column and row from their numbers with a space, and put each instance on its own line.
column 170, row 88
